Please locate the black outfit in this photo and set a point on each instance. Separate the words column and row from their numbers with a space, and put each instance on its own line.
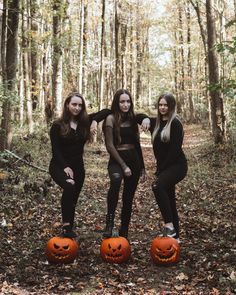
column 68, row 152
column 171, row 169
column 119, row 160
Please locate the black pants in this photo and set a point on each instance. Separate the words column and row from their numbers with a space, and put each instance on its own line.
column 130, row 184
column 164, row 191
column 71, row 192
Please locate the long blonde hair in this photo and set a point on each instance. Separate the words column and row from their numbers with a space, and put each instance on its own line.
column 171, row 103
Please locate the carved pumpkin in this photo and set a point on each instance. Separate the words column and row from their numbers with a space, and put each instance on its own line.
column 115, row 250
column 165, row 250
column 61, row 250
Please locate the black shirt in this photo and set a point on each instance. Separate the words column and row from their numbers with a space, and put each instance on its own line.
column 68, row 150
column 168, row 153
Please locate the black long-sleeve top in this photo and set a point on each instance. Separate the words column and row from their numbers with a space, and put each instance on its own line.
column 69, row 150
column 167, row 153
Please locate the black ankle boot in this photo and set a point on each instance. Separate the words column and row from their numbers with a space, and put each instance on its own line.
column 123, row 232
column 109, row 226
column 67, row 232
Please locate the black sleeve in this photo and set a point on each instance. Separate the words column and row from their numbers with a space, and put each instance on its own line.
column 175, row 144
column 55, row 143
column 139, row 118
column 100, row 115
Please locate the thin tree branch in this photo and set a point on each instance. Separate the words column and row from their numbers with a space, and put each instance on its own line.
column 24, row 161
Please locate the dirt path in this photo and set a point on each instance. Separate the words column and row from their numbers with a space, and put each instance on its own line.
column 207, row 212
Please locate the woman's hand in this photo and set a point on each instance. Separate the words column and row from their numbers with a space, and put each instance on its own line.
column 69, row 172
column 93, row 127
column 143, row 175
column 127, row 171
column 146, row 123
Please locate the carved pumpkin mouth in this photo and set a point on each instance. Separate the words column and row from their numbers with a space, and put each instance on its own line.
column 166, row 258
column 61, row 256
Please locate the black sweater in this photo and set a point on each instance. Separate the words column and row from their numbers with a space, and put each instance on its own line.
column 168, row 153
column 67, row 151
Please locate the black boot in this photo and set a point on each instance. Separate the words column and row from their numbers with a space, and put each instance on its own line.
column 123, row 232
column 109, row 226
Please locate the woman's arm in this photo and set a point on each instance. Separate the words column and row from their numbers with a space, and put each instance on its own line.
column 99, row 116
column 148, row 123
column 55, row 143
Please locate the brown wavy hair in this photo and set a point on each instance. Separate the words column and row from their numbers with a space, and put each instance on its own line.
column 120, row 116
column 82, row 118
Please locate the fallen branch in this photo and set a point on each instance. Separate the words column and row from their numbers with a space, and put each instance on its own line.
column 26, row 162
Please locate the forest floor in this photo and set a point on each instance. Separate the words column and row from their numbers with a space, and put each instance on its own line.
column 30, row 216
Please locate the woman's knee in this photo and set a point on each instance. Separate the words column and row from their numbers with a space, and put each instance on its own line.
column 116, row 178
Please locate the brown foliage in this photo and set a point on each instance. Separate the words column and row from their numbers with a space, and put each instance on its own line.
column 30, row 216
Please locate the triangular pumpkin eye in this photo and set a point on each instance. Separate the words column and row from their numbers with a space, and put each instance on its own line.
column 109, row 246
column 56, row 246
column 119, row 247
column 66, row 247
column 169, row 248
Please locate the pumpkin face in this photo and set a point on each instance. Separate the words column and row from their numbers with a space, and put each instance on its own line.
column 61, row 250
column 165, row 250
column 115, row 250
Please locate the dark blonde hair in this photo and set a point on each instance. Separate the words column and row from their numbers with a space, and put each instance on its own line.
column 171, row 103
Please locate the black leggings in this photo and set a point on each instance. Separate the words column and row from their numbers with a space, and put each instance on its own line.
column 164, row 191
column 71, row 192
column 116, row 175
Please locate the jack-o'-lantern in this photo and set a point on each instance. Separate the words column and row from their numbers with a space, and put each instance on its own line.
column 165, row 250
column 115, row 249
column 61, row 250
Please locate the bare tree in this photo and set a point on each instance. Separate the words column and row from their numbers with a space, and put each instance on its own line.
column 216, row 102
column 10, row 71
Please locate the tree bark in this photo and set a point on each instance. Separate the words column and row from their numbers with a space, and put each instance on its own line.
column 11, row 67
column 216, row 102
column 57, row 57
column 101, row 78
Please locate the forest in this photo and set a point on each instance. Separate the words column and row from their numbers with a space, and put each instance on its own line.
column 50, row 48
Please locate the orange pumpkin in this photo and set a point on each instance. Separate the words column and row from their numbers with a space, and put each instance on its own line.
column 165, row 250
column 61, row 250
column 115, row 250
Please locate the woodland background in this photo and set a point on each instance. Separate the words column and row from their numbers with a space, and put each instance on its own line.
column 50, row 48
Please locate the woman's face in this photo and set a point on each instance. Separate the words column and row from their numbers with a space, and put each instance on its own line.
column 124, row 103
column 163, row 107
column 75, row 105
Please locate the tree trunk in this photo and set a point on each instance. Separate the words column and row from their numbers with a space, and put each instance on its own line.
column 57, row 57
column 117, row 51
column 181, row 57
column 101, row 78
column 204, row 41
column 11, row 67
column 85, row 37
column 189, row 65
column 216, row 102
column 26, row 65
column 81, row 60
column 138, row 56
